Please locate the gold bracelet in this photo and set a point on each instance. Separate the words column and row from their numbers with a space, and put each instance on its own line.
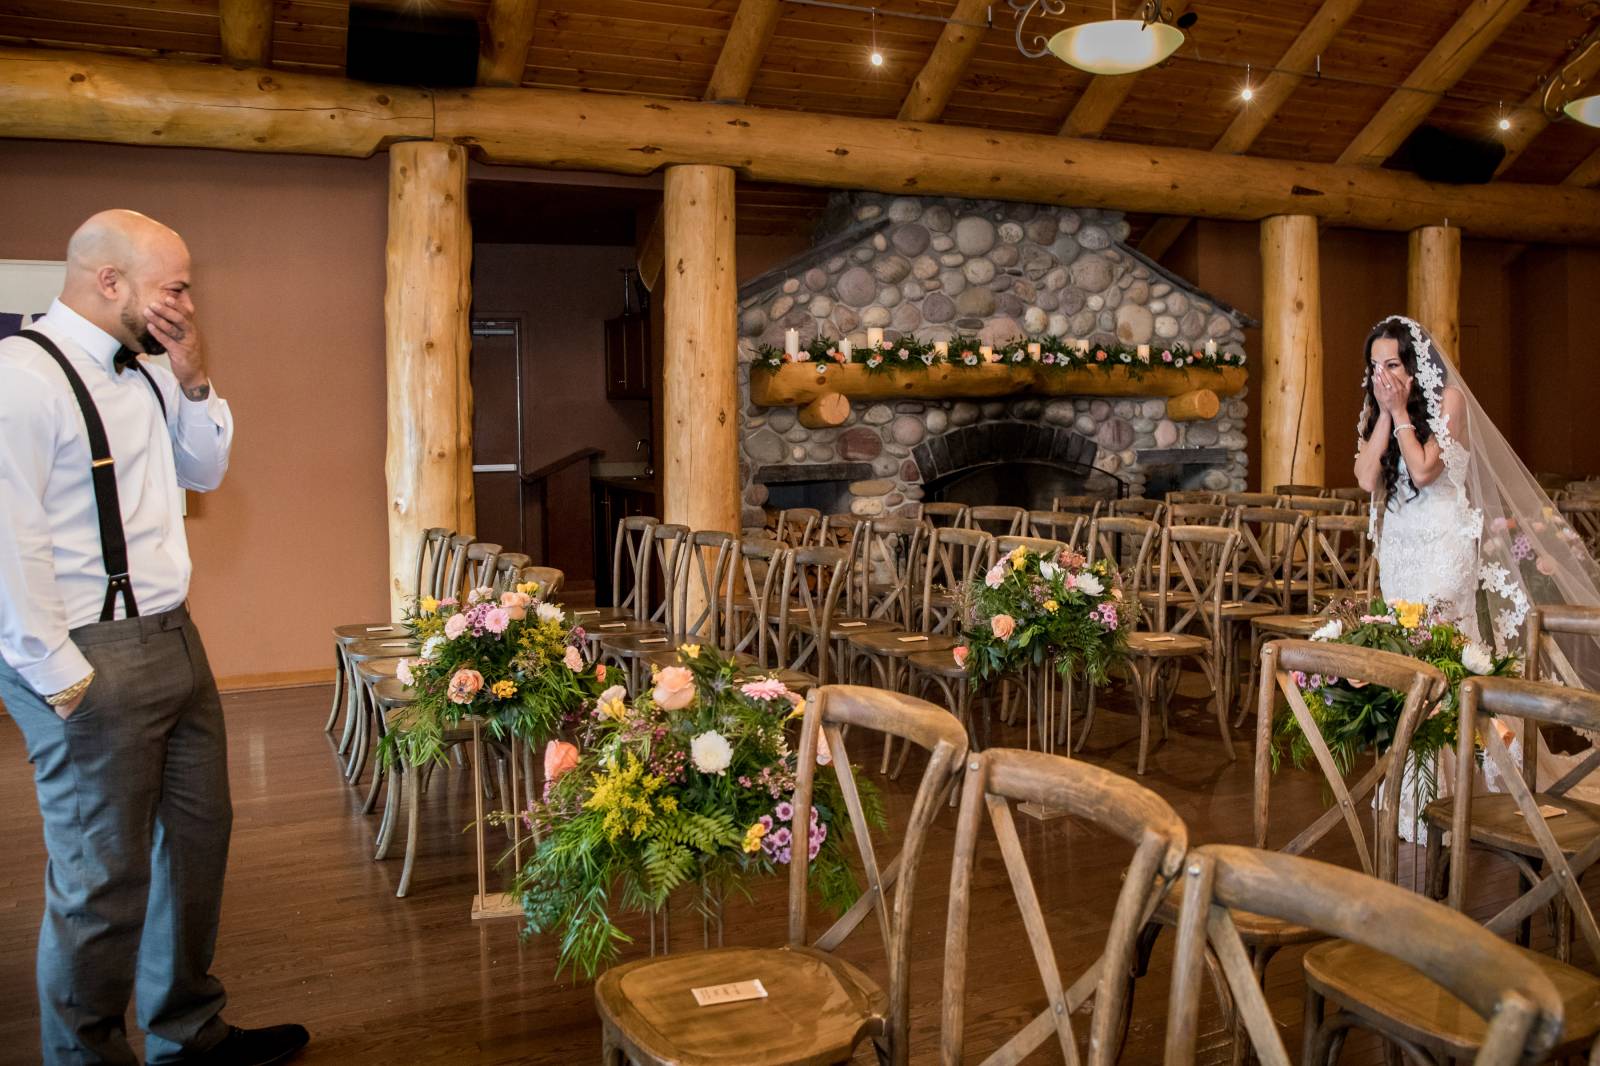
column 71, row 692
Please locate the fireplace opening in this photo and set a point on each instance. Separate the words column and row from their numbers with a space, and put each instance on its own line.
column 1031, row 485
column 825, row 486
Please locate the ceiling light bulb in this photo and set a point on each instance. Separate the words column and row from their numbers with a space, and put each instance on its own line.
column 1248, row 94
column 877, row 59
column 1505, row 123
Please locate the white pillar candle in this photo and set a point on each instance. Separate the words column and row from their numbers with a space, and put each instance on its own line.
column 1144, row 352
column 1083, row 346
column 1211, row 347
column 941, row 349
column 844, row 348
column 791, row 342
column 875, row 337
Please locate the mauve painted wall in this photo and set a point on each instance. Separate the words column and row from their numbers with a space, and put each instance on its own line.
column 289, row 284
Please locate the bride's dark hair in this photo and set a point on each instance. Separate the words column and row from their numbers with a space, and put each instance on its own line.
column 1416, row 406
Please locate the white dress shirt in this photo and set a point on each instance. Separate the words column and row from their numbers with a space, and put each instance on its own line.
column 52, row 572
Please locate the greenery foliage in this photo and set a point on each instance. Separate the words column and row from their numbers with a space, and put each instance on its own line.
column 1054, row 354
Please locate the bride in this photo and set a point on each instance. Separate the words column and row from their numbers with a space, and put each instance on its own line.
column 1460, row 523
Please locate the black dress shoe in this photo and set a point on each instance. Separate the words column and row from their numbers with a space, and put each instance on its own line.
column 253, row 1047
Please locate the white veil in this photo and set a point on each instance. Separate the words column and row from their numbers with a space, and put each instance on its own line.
column 1528, row 554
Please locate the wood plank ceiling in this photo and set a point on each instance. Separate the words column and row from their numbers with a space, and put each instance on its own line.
column 816, row 60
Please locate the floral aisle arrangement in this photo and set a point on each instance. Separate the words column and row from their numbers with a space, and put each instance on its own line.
column 1054, row 353
column 509, row 658
column 1029, row 609
column 691, row 781
column 1356, row 717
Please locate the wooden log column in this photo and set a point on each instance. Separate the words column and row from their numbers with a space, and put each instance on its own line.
column 700, row 360
column 1433, row 284
column 1291, row 334
column 427, row 304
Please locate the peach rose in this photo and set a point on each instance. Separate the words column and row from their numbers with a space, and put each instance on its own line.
column 573, row 658
column 1002, row 625
column 674, row 688
column 464, row 685
column 960, row 654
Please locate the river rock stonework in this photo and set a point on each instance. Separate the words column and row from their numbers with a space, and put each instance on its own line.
column 933, row 268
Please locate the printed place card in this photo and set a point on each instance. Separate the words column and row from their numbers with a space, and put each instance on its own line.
column 653, row 640
column 1161, row 640
column 396, row 644
column 585, row 614
column 711, row 995
column 851, row 625
column 912, row 640
column 613, row 625
column 380, row 629
column 1548, row 812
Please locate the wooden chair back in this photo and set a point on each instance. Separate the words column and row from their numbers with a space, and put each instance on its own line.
column 1128, row 542
column 550, row 580
column 1338, row 562
column 1354, row 494
column 757, row 574
column 1107, row 800
column 456, row 564
column 996, row 518
column 1004, row 546
column 1183, row 496
column 506, row 569
column 433, row 554
column 1138, row 507
column 838, row 530
column 1192, row 574
column 704, row 567
column 1583, row 514
column 630, row 559
column 889, row 888
column 1197, row 514
column 1422, row 686
column 1298, row 490
column 1056, row 525
column 1566, row 662
column 1269, row 537
column 1537, row 704
column 1516, row 999
column 888, row 560
column 814, row 581
column 955, row 558
column 668, row 545
column 798, row 525
column 1249, row 499
column 1088, row 506
column 1316, row 504
column 944, row 514
column 478, row 565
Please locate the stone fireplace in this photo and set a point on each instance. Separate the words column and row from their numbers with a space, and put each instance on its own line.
column 934, row 268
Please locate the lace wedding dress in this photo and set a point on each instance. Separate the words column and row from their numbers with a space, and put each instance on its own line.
column 1428, row 548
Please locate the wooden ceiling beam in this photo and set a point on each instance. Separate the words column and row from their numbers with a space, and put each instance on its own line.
column 1270, row 95
column 1586, row 175
column 64, row 95
column 930, row 91
column 1579, row 65
column 503, row 56
column 1460, row 47
column 742, row 51
column 246, row 28
column 1102, row 96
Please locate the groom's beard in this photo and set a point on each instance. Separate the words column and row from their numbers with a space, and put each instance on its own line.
column 143, row 338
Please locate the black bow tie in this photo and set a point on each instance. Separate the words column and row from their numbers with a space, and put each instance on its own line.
column 125, row 357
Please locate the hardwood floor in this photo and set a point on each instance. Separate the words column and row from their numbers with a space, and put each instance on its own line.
column 312, row 931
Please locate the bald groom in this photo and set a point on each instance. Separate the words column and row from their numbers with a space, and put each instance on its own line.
column 100, row 665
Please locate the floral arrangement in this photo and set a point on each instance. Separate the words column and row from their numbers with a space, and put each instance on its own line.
column 1356, row 717
column 508, row 658
column 692, row 780
column 1051, row 353
column 1031, row 608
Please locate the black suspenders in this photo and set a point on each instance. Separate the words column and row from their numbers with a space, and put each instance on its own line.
column 113, row 542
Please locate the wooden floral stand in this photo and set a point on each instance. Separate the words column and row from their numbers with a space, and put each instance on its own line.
column 488, row 906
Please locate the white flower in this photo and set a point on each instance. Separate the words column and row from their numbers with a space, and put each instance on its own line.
column 711, row 752
column 1047, row 571
column 548, row 612
column 615, row 692
column 402, row 671
column 1476, row 658
column 995, row 576
column 1332, row 629
column 430, row 647
column 480, row 594
column 1089, row 585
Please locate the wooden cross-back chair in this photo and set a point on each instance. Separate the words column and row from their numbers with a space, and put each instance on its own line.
column 1409, row 944
column 797, row 526
column 664, row 545
column 1128, row 542
column 1197, row 513
column 750, row 599
column 888, row 561
column 944, row 514
column 1551, row 837
column 1298, row 490
column 1137, row 507
column 1317, row 504
column 1269, row 538
column 703, row 564
column 1189, row 496
column 507, row 568
column 814, row 582
column 955, row 558
column 996, row 518
column 630, row 574
column 1583, row 514
column 1249, row 499
column 551, row 580
column 645, row 1008
column 1088, row 506
column 1561, row 645
column 1091, row 794
column 1063, row 526
column 477, row 567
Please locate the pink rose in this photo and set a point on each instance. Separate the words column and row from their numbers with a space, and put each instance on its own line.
column 464, row 685
column 559, row 757
column 960, row 654
column 497, row 620
column 674, row 688
column 573, row 659
column 1546, row 565
column 455, row 625
column 1099, row 357
column 600, row 672
column 996, row 576
column 1002, row 625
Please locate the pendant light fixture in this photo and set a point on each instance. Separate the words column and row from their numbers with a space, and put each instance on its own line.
column 1109, row 46
column 1571, row 90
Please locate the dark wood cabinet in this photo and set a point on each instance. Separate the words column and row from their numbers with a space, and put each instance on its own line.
column 628, row 358
column 615, row 499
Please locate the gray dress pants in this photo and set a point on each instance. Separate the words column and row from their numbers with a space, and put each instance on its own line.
column 133, row 789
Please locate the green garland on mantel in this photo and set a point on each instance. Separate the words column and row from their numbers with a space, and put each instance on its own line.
column 1053, row 353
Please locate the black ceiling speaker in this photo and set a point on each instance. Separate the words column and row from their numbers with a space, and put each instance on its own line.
column 1434, row 154
column 395, row 47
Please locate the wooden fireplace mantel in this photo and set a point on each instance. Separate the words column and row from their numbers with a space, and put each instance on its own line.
column 1192, row 394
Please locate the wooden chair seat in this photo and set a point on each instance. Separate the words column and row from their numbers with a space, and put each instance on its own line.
column 392, row 695
column 374, row 670
column 1497, row 823
column 1388, row 993
column 793, row 680
column 397, row 648
column 633, row 644
column 897, row 645
column 817, row 1008
column 1152, row 597
column 1165, row 645
column 589, row 617
column 845, row 628
column 1291, row 625
column 939, row 663
column 369, row 631
column 602, row 631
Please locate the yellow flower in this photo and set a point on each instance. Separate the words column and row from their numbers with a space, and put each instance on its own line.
column 690, row 650
column 1052, row 606
column 529, row 588
column 1409, row 614
column 428, row 605
column 752, row 837
column 504, row 690
column 614, row 709
column 624, row 796
column 1019, row 557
